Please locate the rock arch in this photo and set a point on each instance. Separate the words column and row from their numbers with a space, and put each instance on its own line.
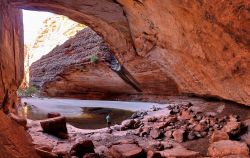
column 104, row 17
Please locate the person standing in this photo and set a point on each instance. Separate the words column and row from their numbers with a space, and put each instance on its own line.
column 108, row 119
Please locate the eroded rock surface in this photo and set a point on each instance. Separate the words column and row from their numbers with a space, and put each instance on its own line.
column 68, row 71
column 15, row 142
column 191, row 47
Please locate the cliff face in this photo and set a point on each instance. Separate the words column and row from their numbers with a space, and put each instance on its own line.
column 55, row 31
column 67, row 71
column 11, row 54
column 204, row 46
column 14, row 141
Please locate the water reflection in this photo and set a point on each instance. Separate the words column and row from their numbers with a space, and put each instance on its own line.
column 87, row 117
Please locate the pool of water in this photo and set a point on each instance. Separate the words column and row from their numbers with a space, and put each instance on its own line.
column 85, row 118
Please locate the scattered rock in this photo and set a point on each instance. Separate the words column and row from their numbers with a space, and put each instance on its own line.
column 125, row 141
column 116, row 127
column 191, row 135
column 168, row 134
column 227, row 147
column 145, row 131
column 186, row 115
column 81, row 148
column 91, row 155
column 158, row 146
column 171, row 119
column 126, row 151
column 128, row 124
column 179, row 152
column 55, row 126
column 168, row 146
column 152, row 119
column 155, row 133
column 217, row 136
column 232, row 128
column 153, row 154
column 200, row 127
column 179, row 135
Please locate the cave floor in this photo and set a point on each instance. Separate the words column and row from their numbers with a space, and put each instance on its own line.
column 103, row 139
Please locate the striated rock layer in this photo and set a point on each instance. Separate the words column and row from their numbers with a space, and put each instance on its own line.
column 68, row 72
column 200, row 47
column 55, row 31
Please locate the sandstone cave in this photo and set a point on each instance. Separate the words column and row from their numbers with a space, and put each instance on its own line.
column 178, row 72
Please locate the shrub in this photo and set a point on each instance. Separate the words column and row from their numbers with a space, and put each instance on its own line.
column 27, row 92
column 94, row 59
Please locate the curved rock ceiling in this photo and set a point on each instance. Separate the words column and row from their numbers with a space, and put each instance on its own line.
column 202, row 47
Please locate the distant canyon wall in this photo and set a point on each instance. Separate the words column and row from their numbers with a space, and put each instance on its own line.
column 55, row 30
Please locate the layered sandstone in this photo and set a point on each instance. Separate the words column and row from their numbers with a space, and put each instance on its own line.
column 201, row 47
column 55, row 31
column 67, row 71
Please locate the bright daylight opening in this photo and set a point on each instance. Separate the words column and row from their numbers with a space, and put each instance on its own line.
column 66, row 60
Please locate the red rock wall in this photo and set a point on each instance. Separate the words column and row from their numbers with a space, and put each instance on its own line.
column 14, row 141
column 68, row 72
column 202, row 47
column 11, row 53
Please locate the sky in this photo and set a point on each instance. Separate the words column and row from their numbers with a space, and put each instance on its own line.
column 32, row 21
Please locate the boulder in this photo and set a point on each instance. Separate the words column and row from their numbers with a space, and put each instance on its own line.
column 179, row 135
column 227, row 147
column 82, row 148
column 55, row 126
column 168, row 134
column 185, row 115
column 145, row 131
column 155, row 133
column 153, row 154
column 152, row 119
column 217, row 136
column 232, row 127
column 179, row 152
column 128, row 124
column 200, row 127
column 53, row 114
column 126, row 151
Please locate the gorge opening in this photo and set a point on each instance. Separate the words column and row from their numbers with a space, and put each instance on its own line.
column 172, row 49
